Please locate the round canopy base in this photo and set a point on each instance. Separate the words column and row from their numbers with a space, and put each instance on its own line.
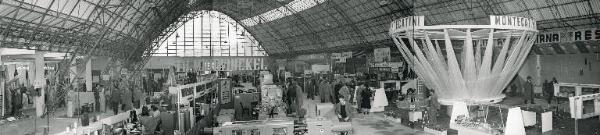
column 472, row 101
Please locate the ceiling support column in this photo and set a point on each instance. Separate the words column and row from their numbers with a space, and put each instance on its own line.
column 39, row 83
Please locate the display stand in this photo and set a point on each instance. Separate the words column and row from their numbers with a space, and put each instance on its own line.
column 580, row 111
column 459, row 108
column 186, row 95
column 576, row 89
column 546, row 121
column 96, row 126
column 529, row 118
column 514, row 121
column 379, row 101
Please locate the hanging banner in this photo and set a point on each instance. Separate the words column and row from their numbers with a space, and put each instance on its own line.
column 585, row 35
column 382, row 54
column 336, row 57
column 568, row 36
column 347, row 55
column 341, row 57
column 213, row 64
column 548, row 38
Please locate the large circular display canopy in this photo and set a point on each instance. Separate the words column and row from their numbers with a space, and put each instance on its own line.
column 467, row 63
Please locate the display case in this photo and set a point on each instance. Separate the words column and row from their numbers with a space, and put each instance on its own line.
column 271, row 103
column 584, row 106
column 574, row 89
column 486, row 119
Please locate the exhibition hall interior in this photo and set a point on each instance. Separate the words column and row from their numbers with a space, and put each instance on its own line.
column 299, row 67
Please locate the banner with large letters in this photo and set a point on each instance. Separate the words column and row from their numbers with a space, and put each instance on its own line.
column 210, row 64
column 568, row 36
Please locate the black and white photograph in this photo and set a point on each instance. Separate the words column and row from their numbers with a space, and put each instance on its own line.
column 299, row 67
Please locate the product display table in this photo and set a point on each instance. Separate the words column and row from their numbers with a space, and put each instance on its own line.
column 531, row 116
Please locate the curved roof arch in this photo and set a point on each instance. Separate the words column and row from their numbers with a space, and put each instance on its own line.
column 227, row 37
column 320, row 26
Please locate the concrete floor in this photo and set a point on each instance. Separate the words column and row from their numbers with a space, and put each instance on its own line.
column 30, row 126
column 371, row 124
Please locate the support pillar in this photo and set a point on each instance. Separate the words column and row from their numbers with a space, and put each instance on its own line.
column 88, row 75
column 72, row 75
column 39, row 83
column 2, row 92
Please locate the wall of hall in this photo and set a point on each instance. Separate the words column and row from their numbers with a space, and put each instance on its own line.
column 162, row 62
column 565, row 67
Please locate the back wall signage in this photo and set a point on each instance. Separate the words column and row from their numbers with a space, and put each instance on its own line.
column 568, row 36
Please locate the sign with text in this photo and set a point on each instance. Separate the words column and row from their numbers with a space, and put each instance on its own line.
column 513, row 22
column 341, row 57
column 407, row 23
column 382, row 54
column 585, row 35
column 548, row 38
column 568, row 36
column 226, row 64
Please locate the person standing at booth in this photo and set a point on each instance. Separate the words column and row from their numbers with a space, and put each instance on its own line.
column 528, row 91
column 343, row 110
column 365, row 99
column 126, row 96
column 115, row 97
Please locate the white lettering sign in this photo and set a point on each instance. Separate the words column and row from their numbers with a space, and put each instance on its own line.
column 513, row 22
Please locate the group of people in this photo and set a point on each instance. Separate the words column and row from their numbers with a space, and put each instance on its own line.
column 18, row 97
column 123, row 94
column 155, row 121
column 528, row 90
column 341, row 92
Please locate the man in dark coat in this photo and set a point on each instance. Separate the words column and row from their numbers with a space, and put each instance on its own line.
column 528, row 90
column 115, row 97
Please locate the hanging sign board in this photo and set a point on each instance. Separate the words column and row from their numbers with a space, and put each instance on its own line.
column 346, row 55
column 585, row 35
column 320, row 68
column 548, row 38
column 336, row 57
column 513, row 22
column 382, row 54
column 407, row 23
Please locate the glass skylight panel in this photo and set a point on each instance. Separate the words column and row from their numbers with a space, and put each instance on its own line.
column 278, row 13
column 210, row 34
column 301, row 5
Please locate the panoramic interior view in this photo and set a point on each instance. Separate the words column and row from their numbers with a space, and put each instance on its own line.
column 299, row 67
